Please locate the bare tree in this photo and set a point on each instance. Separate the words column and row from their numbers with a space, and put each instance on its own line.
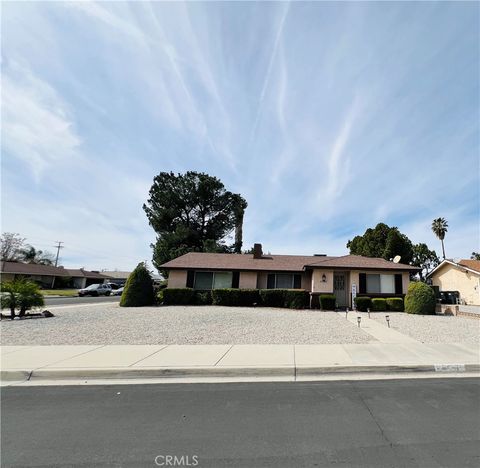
column 10, row 245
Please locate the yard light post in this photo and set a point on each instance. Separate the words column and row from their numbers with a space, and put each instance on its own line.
column 368, row 310
column 359, row 319
column 387, row 318
column 346, row 312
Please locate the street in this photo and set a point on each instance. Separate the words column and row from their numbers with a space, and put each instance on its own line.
column 54, row 301
column 412, row 423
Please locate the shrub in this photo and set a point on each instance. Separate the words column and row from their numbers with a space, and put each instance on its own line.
column 202, row 297
column 138, row 290
column 379, row 304
column 395, row 304
column 296, row 299
column 363, row 303
column 235, row 297
column 178, row 296
column 22, row 295
column 328, row 301
column 273, row 297
column 159, row 296
column 420, row 299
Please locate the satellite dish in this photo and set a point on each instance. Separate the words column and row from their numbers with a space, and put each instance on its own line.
column 397, row 259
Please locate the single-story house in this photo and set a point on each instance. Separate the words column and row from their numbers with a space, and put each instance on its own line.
column 45, row 274
column 462, row 276
column 120, row 277
column 345, row 277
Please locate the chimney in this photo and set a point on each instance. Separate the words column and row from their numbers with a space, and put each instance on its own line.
column 257, row 251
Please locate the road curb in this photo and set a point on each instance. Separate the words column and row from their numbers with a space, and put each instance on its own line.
column 275, row 373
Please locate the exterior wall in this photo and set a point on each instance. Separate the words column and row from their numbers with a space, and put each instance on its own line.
column 79, row 283
column 451, row 278
column 177, row 279
column 248, row 280
column 7, row 276
column 318, row 286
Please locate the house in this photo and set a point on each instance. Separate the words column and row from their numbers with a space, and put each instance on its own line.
column 120, row 277
column 47, row 275
column 462, row 276
column 344, row 276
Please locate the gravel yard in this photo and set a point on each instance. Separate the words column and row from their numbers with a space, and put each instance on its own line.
column 433, row 328
column 110, row 324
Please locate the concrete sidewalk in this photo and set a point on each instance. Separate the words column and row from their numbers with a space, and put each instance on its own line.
column 32, row 364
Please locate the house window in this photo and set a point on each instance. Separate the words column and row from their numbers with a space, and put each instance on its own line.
column 380, row 284
column 284, row 281
column 213, row 280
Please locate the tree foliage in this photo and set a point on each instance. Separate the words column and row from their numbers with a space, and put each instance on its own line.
column 138, row 289
column 30, row 254
column 192, row 212
column 10, row 246
column 475, row 256
column 20, row 294
column 383, row 242
column 440, row 228
column 424, row 258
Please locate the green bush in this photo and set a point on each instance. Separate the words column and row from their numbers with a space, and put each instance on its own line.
column 379, row 304
column 235, row 297
column 202, row 297
column 138, row 290
column 420, row 299
column 159, row 296
column 178, row 296
column 296, row 299
column 273, row 297
column 22, row 295
column 363, row 303
column 395, row 304
column 328, row 302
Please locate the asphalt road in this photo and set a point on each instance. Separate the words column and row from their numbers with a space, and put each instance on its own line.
column 401, row 423
column 53, row 301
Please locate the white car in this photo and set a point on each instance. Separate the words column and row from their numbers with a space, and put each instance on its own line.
column 117, row 292
column 96, row 290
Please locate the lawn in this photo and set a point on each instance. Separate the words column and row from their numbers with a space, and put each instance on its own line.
column 60, row 292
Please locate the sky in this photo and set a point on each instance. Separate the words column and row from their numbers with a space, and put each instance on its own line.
column 327, row 117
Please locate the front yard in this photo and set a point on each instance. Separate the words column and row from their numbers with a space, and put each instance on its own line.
column 110, row 324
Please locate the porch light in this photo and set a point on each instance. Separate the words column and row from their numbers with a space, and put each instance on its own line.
column 324, row 278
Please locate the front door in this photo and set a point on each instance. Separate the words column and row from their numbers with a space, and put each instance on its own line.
column 340, row 289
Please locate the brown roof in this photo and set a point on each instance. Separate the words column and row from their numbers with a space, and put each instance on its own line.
column 361, row 263
column 46, row 270
column 216, row 261
column 472, row 264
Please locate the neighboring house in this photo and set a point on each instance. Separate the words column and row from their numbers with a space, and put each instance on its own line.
column 44, row 274
column 463, row 277
column 120, row 277
column 318, row 274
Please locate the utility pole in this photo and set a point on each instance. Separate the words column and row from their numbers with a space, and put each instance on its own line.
column 58, row 247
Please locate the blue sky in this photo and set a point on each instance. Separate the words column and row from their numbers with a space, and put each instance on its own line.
column 327, row 117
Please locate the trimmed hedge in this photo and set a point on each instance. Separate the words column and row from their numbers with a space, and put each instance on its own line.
column 138, row 289
column 379, row 304
column 235, row 297
column 273, row 297
column 420, row 299
column 328, row 301
column 395, row 304
column 363, row 303
column 178, row 296
column 202, row 298
column 296, row 299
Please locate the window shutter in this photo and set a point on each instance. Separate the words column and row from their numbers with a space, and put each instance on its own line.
column 190, row 278
column 235, row 279
column 271, row 281
column 363, row 283
column 398, row 284
column 297, row 281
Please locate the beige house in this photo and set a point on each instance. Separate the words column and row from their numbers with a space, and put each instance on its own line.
column 463, row 277
column 344, row 276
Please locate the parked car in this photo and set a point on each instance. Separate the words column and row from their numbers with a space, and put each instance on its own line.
column 117, row 292
column 114, row 286
column 96, row 290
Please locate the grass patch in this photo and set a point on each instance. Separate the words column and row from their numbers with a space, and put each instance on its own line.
column 60, row 292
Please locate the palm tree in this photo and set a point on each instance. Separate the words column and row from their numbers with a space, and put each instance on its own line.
column 439, row 227
column 39, row 257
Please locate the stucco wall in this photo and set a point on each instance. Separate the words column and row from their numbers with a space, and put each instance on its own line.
column 318, row 285
column 177, row 279
column 248, row 280
column 451, row 278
